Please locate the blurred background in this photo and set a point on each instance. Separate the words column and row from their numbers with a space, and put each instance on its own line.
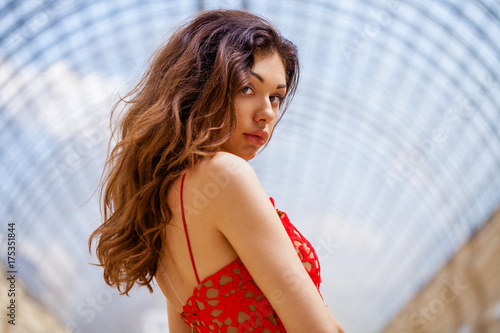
column 388, row 160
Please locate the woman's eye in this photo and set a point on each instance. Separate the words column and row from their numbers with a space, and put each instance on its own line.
column 247, row 90
column 276, row 100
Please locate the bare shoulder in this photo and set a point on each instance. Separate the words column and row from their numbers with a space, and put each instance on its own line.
column 225, row 187
column 227, row 163
column 219, row 185
column 223, row 173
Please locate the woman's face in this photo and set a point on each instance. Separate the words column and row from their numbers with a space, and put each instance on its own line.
column 257, row 107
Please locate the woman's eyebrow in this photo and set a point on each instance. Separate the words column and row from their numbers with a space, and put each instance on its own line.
column 261, row 79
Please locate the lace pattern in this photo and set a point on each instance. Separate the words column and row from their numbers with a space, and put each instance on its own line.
column 229, row 301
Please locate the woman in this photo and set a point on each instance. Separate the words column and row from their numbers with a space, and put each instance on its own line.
column 182, row 204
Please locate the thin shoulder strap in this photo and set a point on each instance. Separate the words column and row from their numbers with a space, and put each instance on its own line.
column 186, row 231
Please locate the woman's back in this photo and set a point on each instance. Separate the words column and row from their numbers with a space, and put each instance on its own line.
column 222, row 294
column 210, row 249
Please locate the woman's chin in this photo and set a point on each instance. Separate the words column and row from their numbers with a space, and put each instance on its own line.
column 246, row 154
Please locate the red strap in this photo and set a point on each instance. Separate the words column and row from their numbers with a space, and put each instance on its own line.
column 186, row 231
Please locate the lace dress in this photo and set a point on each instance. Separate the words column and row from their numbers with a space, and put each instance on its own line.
column 229, row 300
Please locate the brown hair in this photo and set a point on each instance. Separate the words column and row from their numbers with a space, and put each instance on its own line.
column 181, row 110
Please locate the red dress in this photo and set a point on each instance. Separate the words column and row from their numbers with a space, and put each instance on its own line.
column 229, row 300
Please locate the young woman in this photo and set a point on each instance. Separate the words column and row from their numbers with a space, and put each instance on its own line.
column 181, row 203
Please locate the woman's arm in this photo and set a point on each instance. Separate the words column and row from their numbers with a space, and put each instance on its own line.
column 243, row 213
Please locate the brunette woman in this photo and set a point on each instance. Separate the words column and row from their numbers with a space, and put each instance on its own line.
column 182, row 205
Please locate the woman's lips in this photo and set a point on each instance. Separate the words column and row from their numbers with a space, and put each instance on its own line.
column 254, row 139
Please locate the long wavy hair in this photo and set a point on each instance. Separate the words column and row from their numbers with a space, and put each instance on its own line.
column 181, row 110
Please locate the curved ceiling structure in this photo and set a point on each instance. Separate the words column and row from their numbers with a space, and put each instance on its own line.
column 388, row 159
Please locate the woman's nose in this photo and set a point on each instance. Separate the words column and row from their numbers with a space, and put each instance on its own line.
column 265, row 112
